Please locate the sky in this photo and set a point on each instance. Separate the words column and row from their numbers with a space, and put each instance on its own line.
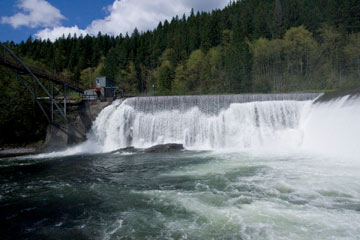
column 50, row 19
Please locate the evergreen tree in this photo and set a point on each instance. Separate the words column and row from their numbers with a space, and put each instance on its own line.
column 166, row 75
column 238, row 64
column 277, row 24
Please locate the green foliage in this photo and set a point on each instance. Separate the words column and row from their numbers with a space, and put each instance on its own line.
column 126, row 79
column 268, row 64
column 165, row 78
column 179, row 85
column 352, row 55
column 88, row 75
column 216, row 74
column 277, row 26
column 238, row 63
column 299, row 45
column 21, row 121
column 302, row 35
column 196, row 73
column 285, row 64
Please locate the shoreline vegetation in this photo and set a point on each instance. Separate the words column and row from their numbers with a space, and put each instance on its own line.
column 249, row 46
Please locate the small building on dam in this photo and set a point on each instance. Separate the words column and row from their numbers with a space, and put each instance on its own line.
column 104, row 89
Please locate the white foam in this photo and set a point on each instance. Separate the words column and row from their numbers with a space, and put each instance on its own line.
column 241, row 126
column 333, row 128
column 266, row 127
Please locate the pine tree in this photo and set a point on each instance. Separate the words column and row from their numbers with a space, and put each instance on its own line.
column 166, row 75
column 277, row 24
column 238, row 64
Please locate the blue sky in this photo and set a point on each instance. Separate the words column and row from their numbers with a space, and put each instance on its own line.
column 51, row 18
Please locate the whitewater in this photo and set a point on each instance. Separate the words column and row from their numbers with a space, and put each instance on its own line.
column 253, row 123
column 256, row 166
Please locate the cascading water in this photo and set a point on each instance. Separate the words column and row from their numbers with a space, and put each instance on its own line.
column 203, row 122
column 250, row 122
column 333, row 127
column 244, row 125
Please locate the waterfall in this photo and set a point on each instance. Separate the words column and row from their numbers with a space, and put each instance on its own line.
column 333, row 127
column 203, row 122
column 265, row 123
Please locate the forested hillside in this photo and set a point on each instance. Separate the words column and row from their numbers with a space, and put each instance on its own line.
column 249, row 46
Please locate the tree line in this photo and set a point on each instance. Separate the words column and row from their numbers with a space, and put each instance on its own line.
column 249, row 46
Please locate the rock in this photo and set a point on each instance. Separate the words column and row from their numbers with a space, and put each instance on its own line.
column 127, row 149
column 164, row 148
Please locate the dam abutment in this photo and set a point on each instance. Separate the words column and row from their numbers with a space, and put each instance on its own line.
column 63, row 135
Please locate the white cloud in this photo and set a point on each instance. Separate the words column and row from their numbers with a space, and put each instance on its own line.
column 125, row 15
column 34, row 13
column 57, row 32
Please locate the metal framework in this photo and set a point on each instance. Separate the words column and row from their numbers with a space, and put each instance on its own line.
column 10, row 60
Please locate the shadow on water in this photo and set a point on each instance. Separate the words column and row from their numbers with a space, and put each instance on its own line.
column 72, row 196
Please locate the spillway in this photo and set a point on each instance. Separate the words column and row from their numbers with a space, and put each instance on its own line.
column 202, row 122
